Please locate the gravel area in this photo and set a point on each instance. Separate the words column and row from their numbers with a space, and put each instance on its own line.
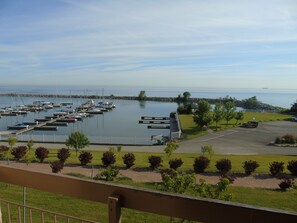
column 145, row 175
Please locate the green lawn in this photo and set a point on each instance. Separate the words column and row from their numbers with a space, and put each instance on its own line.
column 191, row 130
column 98, row 212
column 188, row 159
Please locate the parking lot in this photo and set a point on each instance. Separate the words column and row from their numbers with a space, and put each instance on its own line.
column 245, row 140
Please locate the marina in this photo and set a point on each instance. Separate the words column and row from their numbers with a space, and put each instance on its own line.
column 118, row 124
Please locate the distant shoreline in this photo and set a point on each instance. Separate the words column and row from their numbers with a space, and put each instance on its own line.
column 112, row 97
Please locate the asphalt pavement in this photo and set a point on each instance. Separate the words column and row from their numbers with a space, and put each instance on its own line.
column 233, row 141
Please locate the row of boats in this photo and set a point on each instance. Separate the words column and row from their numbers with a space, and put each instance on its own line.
column 37, row 106
column 65, row 115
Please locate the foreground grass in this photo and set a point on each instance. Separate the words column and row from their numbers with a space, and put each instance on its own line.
column 98, row 212
column 191, row 130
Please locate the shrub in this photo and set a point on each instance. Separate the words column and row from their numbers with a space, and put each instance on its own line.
column 276, row 168
column 200, row 164
column 3, row 151
column 223, row 166
column 129, row 159
column 155, row 162
column 19, row 152
column 286, row 183
column 108, row 174
column 175, row 163
column 85, row 158
column 168, row 171
column 250, row 166
column 41, row 153
column 292, row 167
column 108, row 158
column 63, row 154
column 278, row 140
column 288, row 138
column 57, row 166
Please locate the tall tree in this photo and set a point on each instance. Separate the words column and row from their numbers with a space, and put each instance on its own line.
column 218, row 113
column 251, row 103
column 77, row 140
column 186, row 96
column 142, row 96
column 229, row 109
column 202, row 115
column 12, row 141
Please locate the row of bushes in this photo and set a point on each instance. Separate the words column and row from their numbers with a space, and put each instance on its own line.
column 224, row 166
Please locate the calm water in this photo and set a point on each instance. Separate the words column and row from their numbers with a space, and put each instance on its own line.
column 118, row 126
column 277, row 97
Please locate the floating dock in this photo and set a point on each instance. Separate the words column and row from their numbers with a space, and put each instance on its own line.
column 153, row 122
column 46, row 128
column 57, row 124
column 154, row 118
column 158, row 126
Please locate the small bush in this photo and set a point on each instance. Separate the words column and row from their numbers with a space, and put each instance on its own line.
column 167, row 171
column 63, row 154
column 288, row 138
column 3, row 151
column 108, row 174
column 41, row 154
column 223, row 166
column 108, row 158
column 85, row 158
column 278, row 140
column 175, row 163
column 292, row 167
column 286, row 183
column 250, row 166
column 57, row 166
column 129, row 159
column 19, row 152
column 276, row 168
column 200, row 164
column 155, row 162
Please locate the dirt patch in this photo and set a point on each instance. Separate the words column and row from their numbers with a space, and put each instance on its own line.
column 259, row 180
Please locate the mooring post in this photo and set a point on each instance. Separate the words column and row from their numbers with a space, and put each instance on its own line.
column 114, row 209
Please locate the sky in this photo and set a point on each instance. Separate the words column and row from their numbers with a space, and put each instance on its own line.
column 198, row 43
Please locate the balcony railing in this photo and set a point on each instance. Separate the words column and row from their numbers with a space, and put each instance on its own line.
column 117, row 197
column 35, row 214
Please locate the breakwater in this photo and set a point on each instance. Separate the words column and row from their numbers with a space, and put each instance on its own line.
column 238, row 103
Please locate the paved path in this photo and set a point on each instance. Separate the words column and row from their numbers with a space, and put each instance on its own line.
column 233, row 141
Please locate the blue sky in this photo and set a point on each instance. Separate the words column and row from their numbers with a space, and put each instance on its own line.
column 216, row 43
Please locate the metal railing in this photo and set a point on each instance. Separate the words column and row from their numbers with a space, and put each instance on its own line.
column 34, row 213
column 118, row 196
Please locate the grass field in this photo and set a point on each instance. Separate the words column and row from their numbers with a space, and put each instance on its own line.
column 191, row 130
column 96, row 211
column 188, row 159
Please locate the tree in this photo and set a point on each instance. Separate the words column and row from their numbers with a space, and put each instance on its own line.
column 11, row 141
column 218, row 113
column 239, row 116
column 77, row 140
column 170, row 148
column 202, row 115
column 30, row 144
column 142, row 96
column 294, row 107
column 229, row 109
column 251, row 103
column 186, row 96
